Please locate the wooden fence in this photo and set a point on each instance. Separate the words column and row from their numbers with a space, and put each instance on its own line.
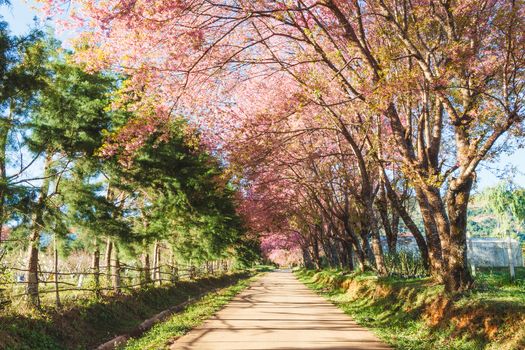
column 117, row 278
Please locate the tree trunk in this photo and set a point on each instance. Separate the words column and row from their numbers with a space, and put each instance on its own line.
column 382, row 208
column 334, row 249
column 107, row 258
column 96, row 268
column 348, row 254
column 317, row 258
column 438, row 215
column 395, row 232
column 354, row 240
column 458, row 277
column 57, row 293
column 116, row 274
column 307, row 258
column 147, row 268
column 435, row 252
column 32, row 271
column 34, row 239
column 173, row 268
column 377, row 249
column 155, row 262
column 159, row 265
column 327, row 252
column 371, row 222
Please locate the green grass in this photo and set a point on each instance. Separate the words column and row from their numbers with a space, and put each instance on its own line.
column 495, row 284
column 91, row 322
column 163, row 333
column 393, row 309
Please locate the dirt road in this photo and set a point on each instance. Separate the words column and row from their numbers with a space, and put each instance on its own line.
column 279, row 312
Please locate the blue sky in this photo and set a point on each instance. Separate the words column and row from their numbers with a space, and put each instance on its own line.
column 20, row 17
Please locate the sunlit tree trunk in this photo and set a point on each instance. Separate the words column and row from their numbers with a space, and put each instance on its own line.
column 116, row 274
column 382, row 208
column 307, row 258
column 458, row 277
column 154, row 272
column 37, row 225
column 147, row 268
column 316, row 255
column 107, row 258
column 95, row 265
column 55, row 253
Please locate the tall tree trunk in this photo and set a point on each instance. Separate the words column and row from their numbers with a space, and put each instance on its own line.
column 349, row 255
column 107, row 258
column 116, row 273
column 159, row 265
column 55, row 253
column 147, row 268
column 354, row 240
column 317, row 257
column 95, row 265
column 155, row 261
column 32, row 264
column 395, row 230
column 437, row 210
column 435, row 251
column 334, row 249
column 377, row 249
column 327, row 251
column 458, row 277
column 34, row 239
column 382, row 208
column 307, row 258
column 174, row 271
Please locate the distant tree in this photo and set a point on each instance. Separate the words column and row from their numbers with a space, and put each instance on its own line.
column 507, row 201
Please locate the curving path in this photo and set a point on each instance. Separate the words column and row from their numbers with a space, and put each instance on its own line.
column 279, row 312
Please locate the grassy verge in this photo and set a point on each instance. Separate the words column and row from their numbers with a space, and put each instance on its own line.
column 161, row 335
column 417, row 314
column 91, row 322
